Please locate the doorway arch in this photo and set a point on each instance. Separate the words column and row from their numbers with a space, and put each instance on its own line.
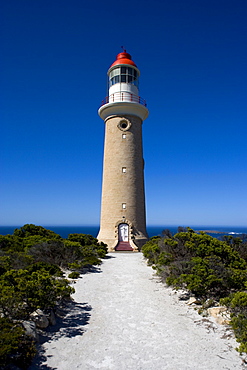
column 123, row 238
column 123, row 232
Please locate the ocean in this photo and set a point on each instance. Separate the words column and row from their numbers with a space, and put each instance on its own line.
column 64, row 231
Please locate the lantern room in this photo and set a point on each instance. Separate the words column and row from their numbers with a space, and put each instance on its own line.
column 125, row 74
column 123, row 89
column 123, row 79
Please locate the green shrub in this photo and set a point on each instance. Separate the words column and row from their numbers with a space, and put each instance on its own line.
column 5, row 264
column 33, row 240
column 102, row 249
column 101, row 252
column 57, row 252
column 86, row 240
column 165, row 258
column 90, row 255
column 30, row 230
column 237, row 305
column 11, row 243
column 83, row 239
column 16, row 349
column 74, row 275
column 75, row 266
column 65, row 252
column 22, row 292
column 14, row 260
column 49, row 267
column 208, row 267
column 151, row 250
column 204, row 265
column 30, row 278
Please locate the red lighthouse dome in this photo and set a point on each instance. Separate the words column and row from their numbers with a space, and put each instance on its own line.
column 123, row 58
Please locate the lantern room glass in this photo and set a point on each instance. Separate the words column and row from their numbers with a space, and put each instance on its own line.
column 125, row 75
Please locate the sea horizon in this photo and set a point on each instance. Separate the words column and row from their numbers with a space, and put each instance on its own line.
column 152, row 230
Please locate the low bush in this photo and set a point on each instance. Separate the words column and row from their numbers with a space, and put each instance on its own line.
column 65, row 252
column 11, row 260
column 22, row 292
column 54, row 252
column 200, row 263
column 51, row 268
column 31, row 262
column 11, row 243
column 31, row 230
column 237, row 305
column 151, row 250
column 74, row 275
column 89, row 240
column 16, row 349
column 207, row 267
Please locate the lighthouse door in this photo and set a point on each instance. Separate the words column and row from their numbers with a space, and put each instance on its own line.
column 123, row 232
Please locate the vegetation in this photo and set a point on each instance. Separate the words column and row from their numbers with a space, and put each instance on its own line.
column 16, row 348
column 237, row 305
column 31, row 278
column 74, row 275
column 207, row 267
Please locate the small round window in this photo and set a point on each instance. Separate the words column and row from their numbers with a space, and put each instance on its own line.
column 124, row 125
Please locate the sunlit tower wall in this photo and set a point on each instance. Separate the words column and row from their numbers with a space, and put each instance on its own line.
column 123, row 214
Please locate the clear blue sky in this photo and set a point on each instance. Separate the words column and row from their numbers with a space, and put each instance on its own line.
column 192, row 56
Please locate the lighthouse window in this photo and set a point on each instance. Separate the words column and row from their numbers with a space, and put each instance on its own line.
column 124, row 136
column 124, row 169
column 124, row 125
column 123, row 74
column 123, row 205
column 115, row 72
column 114, row 76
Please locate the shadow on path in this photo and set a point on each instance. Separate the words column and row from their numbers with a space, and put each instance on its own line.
column 91, row 269
column 72, row 317
column 107, row 257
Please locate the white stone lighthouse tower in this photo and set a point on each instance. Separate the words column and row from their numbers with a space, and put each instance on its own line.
column 123, row 215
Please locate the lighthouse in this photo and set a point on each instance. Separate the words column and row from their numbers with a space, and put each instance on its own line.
column 123, row 214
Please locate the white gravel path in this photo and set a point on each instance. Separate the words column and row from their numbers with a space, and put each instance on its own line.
column 124, row 318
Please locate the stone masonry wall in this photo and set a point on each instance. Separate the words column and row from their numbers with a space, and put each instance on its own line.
column 120, row 187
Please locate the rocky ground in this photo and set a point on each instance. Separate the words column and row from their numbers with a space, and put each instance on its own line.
column 123, row 318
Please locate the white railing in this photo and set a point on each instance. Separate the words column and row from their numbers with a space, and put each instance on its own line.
column 122, row 97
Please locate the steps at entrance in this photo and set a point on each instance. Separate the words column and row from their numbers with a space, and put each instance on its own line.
column 123, row 246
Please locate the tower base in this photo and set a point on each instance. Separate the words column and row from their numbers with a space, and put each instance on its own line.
column 123, row 246
column 112, row 244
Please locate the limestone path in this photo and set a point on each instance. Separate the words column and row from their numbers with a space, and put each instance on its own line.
column 124, row 318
